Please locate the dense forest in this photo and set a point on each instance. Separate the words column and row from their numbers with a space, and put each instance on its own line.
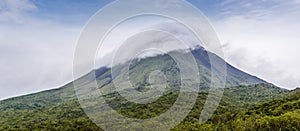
column 241, row 108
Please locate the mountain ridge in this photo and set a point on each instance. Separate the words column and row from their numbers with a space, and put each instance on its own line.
column 60, row 106
column 199, row 53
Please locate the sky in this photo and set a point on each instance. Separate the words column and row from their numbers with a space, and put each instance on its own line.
column 38, row 39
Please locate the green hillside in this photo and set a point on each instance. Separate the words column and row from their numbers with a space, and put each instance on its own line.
column 279, row 114
column 66, row 114
column 59, row 109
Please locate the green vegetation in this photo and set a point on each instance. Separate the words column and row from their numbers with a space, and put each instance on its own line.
column 279, row 114
column 232, row 114
column 248, row 103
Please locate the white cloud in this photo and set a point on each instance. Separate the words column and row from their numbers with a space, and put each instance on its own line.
column 15, row 10
column 265, row 45
column 34, row 54
column 260, row 9
column 262, row 41
column 119, row 36
column 167, row 4
column 33, row 59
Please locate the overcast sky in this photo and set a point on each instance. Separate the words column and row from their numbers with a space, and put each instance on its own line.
column 38, row 38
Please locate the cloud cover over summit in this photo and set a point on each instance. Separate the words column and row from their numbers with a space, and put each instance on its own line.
column 260, row 37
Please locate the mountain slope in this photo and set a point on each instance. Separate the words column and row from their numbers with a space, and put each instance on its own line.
column 279, row 114
column 59, row 109
column 68, row 115
column 234, row 76
column 140, row 69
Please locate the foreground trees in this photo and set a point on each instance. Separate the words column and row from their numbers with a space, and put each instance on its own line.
column 233, row 112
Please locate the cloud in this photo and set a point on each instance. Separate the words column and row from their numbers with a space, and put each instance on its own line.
column 33, row 59
column 259, row 9
column 167, row 4
column 133, row 37
column 15, row 10
column 36, row 54
column 263, row 40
